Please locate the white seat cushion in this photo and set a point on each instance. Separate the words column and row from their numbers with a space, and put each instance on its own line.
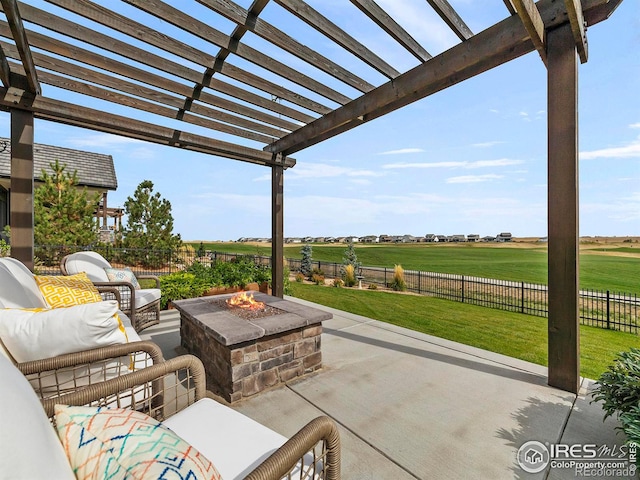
column 234, row 443
column 146, row 296
column 29, row 446
column 18, row 288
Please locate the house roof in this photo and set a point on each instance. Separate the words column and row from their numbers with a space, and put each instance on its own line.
column 94, row 170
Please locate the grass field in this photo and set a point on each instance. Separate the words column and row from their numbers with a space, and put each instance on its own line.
column 512, row 334
column 602, row 266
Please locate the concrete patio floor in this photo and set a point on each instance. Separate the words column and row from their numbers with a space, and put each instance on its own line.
column 410, row 405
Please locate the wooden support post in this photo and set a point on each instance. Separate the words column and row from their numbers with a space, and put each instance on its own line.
column 563, row 256
column 277, row 230
column 21, row 200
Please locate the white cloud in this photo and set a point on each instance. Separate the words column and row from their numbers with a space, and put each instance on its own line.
column 474, row 178
column 486, row 144
column 632, row 150
column 421, row 21
column 424, row 165
column 402, row 151
column 321, row 170
column 501, row 162
column 635, row 125
column 102, row 140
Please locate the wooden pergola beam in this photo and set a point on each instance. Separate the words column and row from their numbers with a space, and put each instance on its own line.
column 99, row 14
column 490, row 48
column 5, row 70
column 510, row 7
column 252, row 23
column 194, row 26
column 62, row 112
column 530, row 16
column 451, row 18
column 576, row 19
column 325, row 26
column 10, row 8
column 371, row 9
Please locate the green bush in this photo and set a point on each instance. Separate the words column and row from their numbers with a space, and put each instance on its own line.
column 337, row 282
column 619, row 391
column 372, row 286
column 299, row 277
column 179, row 285
column 317, row 279
column 631, row 424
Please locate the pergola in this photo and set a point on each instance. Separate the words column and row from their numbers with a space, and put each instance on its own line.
column 177, row 66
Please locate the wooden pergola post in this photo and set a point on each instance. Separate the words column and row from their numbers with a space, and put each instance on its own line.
column 563, row 256
column 277, row 230
column 21, row 200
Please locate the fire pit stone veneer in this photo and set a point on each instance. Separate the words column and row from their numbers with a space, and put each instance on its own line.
column 243, row 357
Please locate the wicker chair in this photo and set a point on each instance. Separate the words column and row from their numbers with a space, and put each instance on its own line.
column 179, row 399
column 142, row 306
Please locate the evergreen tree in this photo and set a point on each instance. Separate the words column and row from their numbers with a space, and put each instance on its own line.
column 305, row 264
column 350, row 258
column 149, row 226
column 63, row 213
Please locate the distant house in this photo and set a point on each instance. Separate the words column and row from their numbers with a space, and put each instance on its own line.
column 293, row 240
column 351, row 239
column 458, row 238
column 385, row 238
column 488, row 238
column 430, row 237
column 319, row 240
column 504, row 237
column 408, row 239
column 473, row 237
column 442, row 238
column 330, row 239
column 95, row 171
column 369, row 239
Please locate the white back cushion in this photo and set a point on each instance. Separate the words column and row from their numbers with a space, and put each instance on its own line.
column 92, row 263
column 18, row 289
column 29, row 447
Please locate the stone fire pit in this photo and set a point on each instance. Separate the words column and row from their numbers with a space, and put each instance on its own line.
column 245, row 353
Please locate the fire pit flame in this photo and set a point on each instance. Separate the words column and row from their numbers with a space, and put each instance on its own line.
column 244, row 300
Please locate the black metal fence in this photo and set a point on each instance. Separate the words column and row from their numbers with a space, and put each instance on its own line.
column 605, row 309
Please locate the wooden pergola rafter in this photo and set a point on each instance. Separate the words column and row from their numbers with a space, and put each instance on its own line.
column 171, row 69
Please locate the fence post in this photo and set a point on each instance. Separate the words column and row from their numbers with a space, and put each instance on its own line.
column 608, row 311
column 462, row 300
column 419, row 281
column 522, row 297
column 385, row 277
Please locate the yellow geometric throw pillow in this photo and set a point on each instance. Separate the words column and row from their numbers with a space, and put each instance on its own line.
column 65, row 291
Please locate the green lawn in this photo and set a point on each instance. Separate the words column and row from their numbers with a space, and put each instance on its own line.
column 512, row 334
column 597, row 271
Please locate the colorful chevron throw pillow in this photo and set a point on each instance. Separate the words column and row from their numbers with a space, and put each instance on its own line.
column 118, row 443
column 122, row 275
column 67, row 290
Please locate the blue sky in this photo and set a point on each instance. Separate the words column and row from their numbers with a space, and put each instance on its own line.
column 470, row 159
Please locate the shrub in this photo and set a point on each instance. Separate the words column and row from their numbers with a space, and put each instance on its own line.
column 349, row 276
column 337, row 282
column 179, row 285
column 619, row 391
column 619, row 387
column 299, row 277
column 398, row 283
column 372, row 286
column 631, row 424
column 317, row 279
column 317, row 271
